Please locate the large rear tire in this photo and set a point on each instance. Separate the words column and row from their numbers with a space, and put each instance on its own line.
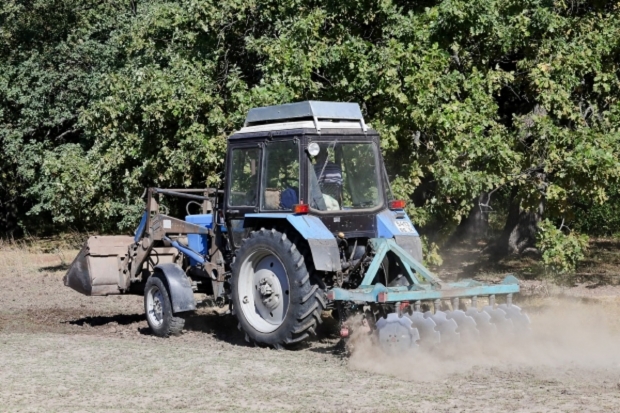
column 272, row 296
column 158, row 308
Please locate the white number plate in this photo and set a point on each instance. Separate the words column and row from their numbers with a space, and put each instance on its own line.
column 404, row 226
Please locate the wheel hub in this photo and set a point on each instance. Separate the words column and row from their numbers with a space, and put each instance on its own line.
column 263, row 290
column 157, row 310
column 269, row 297
column 155, row 306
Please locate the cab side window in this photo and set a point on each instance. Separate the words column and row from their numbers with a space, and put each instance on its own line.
column 280, row 189
column 244, row 177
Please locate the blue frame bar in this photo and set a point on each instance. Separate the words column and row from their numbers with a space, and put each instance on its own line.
column 382, row 246
column 140, row 230
column 185, row 250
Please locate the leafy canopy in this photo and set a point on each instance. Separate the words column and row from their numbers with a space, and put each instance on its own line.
column 98, row 100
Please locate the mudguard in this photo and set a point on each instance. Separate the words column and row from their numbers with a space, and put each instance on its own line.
column 179, row 287
column 387, row 228
column 413, row 245
column 323, row 245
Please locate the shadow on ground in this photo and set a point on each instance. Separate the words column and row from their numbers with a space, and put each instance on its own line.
column 221, row 326
column 100, row 320
column 54, row 268
column 474, row 260
column 224, row 327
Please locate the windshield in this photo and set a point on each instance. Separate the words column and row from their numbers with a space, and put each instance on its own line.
column 343, row 176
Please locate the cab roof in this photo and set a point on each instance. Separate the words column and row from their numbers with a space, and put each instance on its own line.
column 310, row 114
column 312, row 109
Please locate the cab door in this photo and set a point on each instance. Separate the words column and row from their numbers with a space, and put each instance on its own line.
column 242, row 194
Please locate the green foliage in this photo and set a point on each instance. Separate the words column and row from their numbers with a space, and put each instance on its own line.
column 560, row 252
column 52, row 54
column 598, row 219
column 99, row 99
column 431, row 252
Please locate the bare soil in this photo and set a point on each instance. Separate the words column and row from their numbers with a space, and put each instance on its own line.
column 61, row 351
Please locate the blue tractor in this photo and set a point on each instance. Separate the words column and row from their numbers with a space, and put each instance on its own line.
column 305, row 222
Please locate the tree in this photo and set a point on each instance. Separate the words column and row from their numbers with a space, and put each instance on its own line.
column 52, row 52
column 514, row 100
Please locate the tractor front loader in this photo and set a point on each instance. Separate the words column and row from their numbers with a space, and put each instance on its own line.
column 305, row 222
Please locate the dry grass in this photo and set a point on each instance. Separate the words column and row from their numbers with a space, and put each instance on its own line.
column 602, row 263
column 60, row 351
column 21, row 260
column 601, row 266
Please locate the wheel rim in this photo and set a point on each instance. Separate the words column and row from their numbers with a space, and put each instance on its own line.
column 263, row 290
column 155, row 306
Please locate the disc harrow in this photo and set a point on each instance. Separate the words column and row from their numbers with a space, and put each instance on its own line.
column 429, row 335
column 445, row 326
column 467, row 328
column 410, row 325
column 411, row 329
column 396, row 334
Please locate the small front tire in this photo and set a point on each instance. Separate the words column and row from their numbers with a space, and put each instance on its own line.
column 158, row 308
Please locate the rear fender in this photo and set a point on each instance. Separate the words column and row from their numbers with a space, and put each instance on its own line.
column 387, row 228
column 179, row 287
column 323, row 245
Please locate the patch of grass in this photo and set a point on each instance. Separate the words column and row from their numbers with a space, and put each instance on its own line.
column 602, row 263
column 465, row 260
column 30, row 255
column 46, row 245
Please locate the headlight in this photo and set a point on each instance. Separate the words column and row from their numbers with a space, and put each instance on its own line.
column 314, row 149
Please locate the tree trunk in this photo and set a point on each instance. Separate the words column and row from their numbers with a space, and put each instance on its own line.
column 8, row 217
column 521, row 227
column 476, row 225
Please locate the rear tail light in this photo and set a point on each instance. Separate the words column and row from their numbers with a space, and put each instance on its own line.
column 400, row 204
column 301, row 208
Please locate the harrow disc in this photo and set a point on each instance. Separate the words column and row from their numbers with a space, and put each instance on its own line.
column 429, row 336
column 520, row 321
column 446, row 327
column 467, row 327
column 502, row 322
column 396, row 334
column 483, row 322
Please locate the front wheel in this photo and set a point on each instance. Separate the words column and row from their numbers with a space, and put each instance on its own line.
column 158, row 308
column 272, row 296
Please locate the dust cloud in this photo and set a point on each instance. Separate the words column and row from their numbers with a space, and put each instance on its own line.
column 564, row 335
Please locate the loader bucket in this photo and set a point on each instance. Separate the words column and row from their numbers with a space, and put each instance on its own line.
column 96, row 270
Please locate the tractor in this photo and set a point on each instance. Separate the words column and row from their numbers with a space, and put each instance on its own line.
column 304, row 222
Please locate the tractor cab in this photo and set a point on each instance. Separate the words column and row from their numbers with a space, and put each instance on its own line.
column 309, row 158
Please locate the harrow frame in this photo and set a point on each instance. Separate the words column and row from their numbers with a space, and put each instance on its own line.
column 424, row 285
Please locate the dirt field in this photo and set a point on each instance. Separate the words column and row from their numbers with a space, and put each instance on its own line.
column 60, row 351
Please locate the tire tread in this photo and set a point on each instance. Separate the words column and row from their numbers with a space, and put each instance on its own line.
column 306, row 311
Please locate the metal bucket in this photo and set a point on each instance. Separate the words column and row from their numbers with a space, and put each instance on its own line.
column 97, row 268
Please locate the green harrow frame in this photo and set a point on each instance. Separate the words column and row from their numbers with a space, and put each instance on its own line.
column 408, row 327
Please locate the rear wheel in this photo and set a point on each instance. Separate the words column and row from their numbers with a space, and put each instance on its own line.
column 272, row 296
column 158, row 308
